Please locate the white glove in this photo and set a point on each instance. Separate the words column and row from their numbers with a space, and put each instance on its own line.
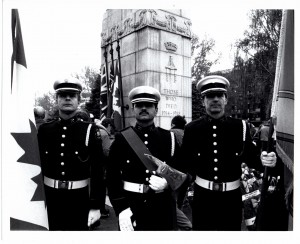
column 157, row 183
column 94, row 215
column 268, row 159
column 125, row 220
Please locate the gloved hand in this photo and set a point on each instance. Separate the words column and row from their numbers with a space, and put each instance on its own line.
column 268, row 159
column 125, row 220
column 157, row 183
column 94, row 215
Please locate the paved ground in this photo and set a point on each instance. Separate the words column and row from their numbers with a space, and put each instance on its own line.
column 111, row 223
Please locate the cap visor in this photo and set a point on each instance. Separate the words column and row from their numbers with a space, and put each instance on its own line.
column 149, row 100
column 214, row 90
column 60, row 90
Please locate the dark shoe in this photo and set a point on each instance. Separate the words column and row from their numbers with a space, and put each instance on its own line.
column 104, row 213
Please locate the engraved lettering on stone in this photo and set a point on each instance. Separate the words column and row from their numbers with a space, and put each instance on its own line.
column 171, row 98
column 170, row 92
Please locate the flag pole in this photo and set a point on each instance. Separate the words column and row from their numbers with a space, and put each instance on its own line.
column 110, row 83
column 260, row 223
column 120, row 84
column 107, row 81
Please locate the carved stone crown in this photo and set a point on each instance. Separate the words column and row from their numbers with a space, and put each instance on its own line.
column 170, row 46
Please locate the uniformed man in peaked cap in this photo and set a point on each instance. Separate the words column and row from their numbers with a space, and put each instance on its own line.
column 71, row 156
column 141, row 199
column 214, row 146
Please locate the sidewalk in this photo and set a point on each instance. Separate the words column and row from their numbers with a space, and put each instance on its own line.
column 111, row 223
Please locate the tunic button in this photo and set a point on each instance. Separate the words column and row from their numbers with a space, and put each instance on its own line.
column 76, row 152
column 216, row 177
column 214, row 135
column 128, row 161
column 147, row 179
column 236, row 154
column 63, row 136
column 146, row 142
column 215, row 144
column 214, row 127
column 215, row 151
column 216, row 160
column 62, row 173
column 62, row 163
column 64, row 127
column 146, row 135
column 46, row 152
column 215, row 169
column 62, row 144
column 147, row 171
column 62, row 154
column 198, row 154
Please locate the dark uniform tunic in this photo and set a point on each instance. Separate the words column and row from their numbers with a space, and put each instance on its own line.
column 152, row 211
column 70, row 151
column 214, row 150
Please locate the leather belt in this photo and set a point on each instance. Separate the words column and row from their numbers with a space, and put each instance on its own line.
column 223, row 186
column 135, row 187
column 61, row 184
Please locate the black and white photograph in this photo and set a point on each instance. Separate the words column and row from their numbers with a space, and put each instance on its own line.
column 174, row 120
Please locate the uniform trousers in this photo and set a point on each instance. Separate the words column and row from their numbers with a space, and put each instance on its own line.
column 216, row 210
column 153, row 211
column 67, row 209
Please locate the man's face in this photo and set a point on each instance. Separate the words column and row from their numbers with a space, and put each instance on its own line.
column 215, row 103
column 144, row 111
column 67, row 102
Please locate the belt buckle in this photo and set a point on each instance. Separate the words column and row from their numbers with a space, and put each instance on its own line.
column 146, row 188
column 217, row 186
column 62, row 184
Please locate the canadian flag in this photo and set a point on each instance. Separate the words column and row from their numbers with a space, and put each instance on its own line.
column 28, row 210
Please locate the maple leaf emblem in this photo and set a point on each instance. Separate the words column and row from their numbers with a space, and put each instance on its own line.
column 29, row 143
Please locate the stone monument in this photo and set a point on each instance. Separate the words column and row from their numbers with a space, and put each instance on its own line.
column 155, row 50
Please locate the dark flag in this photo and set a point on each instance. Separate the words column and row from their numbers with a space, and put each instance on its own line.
column 28, row 207
column 110, row 90
column 117, row 102
column 103, row 94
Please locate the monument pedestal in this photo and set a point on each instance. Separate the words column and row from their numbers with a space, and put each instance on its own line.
column 155, row 51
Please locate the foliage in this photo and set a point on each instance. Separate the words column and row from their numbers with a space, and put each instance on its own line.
column 93, row 105
column 200, row 51
column 47, row 101
column 255, row 62
column 88, row 77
